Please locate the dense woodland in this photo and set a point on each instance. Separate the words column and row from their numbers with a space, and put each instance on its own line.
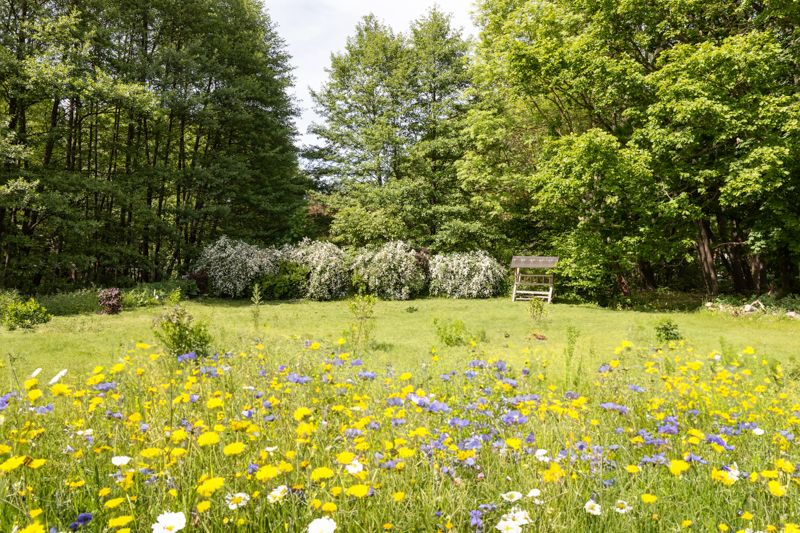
column 650, row 144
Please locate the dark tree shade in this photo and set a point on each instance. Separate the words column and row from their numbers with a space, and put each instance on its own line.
column 132, row 132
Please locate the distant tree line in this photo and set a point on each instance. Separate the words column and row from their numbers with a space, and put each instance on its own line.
column 133, row 132
column 650, row 144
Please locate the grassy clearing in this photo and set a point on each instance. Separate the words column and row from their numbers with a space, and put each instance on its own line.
column 404, row 331
column 280, row 437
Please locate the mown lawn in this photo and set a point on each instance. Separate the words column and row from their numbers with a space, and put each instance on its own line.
column 404, row 331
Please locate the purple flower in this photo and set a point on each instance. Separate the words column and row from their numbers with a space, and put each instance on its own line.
column 611, row 406
column 82, row 520
column 293, row 377
column 367, row 375
column 458, row 422
column 513, row 417
column 191, row 356
column 475, row 518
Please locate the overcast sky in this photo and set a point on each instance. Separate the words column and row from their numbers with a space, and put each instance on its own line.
column 313, row 29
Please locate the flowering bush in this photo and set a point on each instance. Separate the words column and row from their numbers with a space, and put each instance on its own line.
column 393, row 272
column 319, row 441
column 328, row 276
column 232, row 266
column 110, row 300
column 466, row 275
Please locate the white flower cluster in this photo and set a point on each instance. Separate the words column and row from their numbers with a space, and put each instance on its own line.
column 392, row 272
column 233, row 265
column 466, row 275
column 329, row 278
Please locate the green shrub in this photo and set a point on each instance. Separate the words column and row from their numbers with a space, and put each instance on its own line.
column 7, row 296
column 19, row 314
column 78, row 302
column 152, row 294
column 180, row 334
column 289, row 283
column 455, row 333
column 362, row 309
column 667, row 330
column 536, row 310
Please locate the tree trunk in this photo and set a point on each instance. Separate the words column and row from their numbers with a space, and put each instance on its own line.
column 706, row 255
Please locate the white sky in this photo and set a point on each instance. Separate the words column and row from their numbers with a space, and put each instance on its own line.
column 313, row 29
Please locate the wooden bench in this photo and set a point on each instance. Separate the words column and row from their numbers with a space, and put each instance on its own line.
column 529, row 285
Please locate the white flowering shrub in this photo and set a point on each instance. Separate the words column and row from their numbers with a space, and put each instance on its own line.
column 392, row 272
column 328, row 277
column 466, row 275
column 233, row 266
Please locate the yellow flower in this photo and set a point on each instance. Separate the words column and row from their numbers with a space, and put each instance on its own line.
column 267, row 472
column 116, row 502
column 178, row 436
column 686, row 523
column 747, row 515
column 210, row 486
column 234, row 448
column 649, row 498
column 776, row 489
column 149, row 453
column 34, row 395
column 301, row 413
column 359, row 491
column 120, row 521
column 345, row 458
column 203, row 506
column 208, row 438
column 321, row 473
column 329, row 507
column 723, row 477
column 678, row 466
column 633, row 469
column 37, row 463
column 36, row 527
column 214, row 403
column 514, row 444
column 553, row 474
column 12, row 463
column 399, row 496
column 34, row 513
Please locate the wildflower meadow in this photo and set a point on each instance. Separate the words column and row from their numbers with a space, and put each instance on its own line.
column 320, row 440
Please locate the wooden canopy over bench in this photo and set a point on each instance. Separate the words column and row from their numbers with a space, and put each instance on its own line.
column 535, row 282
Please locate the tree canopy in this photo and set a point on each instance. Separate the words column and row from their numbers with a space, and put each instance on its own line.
column 135, row 131
column 648, row 144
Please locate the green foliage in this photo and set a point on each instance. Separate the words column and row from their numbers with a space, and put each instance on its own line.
column 255, row 305
column 362, row 312
column 180, row 334
column 70, row 303
column 289, row 283
column 152, row 294
column 667, row 330
column 537, row 310
column 131, row 135
column 392, row 109
column 647, row 157
column 23, row 314
column 454, row 332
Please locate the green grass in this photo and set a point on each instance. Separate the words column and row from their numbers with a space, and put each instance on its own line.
column 81, row 341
